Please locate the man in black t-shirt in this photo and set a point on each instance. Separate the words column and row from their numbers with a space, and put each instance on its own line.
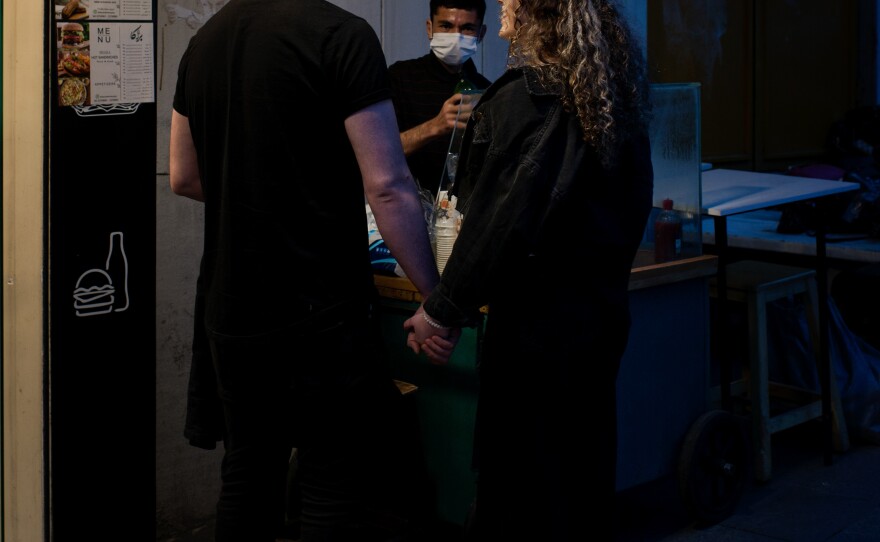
column 426, row 101
column 282, row 123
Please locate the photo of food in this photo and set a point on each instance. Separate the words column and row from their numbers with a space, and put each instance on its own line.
column 72, row 35
column 76, row 63
column 71, row 10
column 73, row 91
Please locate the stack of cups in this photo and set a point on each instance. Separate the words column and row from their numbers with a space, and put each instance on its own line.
column 445, row 232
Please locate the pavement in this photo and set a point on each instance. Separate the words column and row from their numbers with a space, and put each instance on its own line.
column 805, row 500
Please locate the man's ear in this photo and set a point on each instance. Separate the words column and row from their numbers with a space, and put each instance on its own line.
column 482, row 33
column 429, row 27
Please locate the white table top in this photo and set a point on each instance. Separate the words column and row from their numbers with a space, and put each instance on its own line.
column 728, row 192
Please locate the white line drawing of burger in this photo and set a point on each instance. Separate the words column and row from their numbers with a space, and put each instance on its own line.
column 94, row 293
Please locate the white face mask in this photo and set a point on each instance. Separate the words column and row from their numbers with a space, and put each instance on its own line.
column 453, row 49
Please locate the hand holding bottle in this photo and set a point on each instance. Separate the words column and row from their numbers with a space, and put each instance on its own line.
column 455, row 113
column 452, row 119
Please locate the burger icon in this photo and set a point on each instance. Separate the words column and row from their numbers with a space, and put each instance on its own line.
column 94, row 293
column 72, row 35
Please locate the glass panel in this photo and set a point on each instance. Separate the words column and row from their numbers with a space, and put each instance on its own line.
column 675, row 152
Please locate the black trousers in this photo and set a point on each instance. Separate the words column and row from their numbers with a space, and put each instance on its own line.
column 322, row 387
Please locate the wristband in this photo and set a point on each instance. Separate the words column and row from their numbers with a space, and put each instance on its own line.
column 431, row 322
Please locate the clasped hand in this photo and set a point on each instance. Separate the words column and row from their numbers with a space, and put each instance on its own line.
column 435, row 343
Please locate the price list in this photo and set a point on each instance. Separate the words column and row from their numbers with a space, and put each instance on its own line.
column 120, row 9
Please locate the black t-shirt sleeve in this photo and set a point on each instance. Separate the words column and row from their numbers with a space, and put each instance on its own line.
column 357, row 66
column 179, row 102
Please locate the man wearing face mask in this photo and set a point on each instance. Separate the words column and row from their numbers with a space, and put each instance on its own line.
column 424, row 89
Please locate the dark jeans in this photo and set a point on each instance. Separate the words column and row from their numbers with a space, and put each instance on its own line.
column 323, row 388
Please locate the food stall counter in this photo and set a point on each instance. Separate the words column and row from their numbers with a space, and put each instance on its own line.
column 644, row 274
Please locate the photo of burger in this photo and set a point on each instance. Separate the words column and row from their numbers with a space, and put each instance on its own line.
column 72, row 35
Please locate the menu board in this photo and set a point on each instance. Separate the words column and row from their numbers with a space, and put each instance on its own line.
column 101, row 189
column 104, row 65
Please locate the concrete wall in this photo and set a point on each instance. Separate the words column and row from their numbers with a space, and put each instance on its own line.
column 187, row 478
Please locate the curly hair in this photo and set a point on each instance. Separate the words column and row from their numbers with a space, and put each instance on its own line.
column 586, row 48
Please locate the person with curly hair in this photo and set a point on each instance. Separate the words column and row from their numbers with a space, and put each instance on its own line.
column 555, row 184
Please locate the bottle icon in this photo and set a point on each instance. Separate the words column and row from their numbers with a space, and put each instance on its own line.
column 117, row 267
column 667, row 234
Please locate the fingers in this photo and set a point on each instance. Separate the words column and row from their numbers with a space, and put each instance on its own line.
column 457, row 110
column 454, row 101
column 412, row 343
column 445, row 343
column 437, row 351
column 411, row 340
column 422, row 339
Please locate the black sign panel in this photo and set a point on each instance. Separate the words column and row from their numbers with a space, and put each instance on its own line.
column 102, row 280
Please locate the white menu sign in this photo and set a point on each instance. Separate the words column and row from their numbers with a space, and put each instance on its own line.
column 122, row 62
column 103, row 63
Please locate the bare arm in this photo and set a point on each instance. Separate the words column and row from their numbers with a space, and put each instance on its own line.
column 392, row 193
column 453, row 115
column 183, row 167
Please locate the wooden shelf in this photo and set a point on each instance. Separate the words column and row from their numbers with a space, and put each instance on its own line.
column 647, row 276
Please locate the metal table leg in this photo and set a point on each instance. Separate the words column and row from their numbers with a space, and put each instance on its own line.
column 824, row 335
column 721, row 316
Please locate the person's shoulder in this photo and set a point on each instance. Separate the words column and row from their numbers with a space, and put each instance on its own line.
column 512, row 80
column 410, row 72
column 512, row 92
column 407, row 65
column 321, row 18
column 508, row 89
column 482, row 81
column 536, row 85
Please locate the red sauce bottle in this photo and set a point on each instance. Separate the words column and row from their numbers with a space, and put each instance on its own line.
column 667, row 234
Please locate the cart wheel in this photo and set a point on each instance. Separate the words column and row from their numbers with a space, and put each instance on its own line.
column 714, row 466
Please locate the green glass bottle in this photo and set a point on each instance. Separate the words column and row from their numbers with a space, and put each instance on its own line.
column 466, row 86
